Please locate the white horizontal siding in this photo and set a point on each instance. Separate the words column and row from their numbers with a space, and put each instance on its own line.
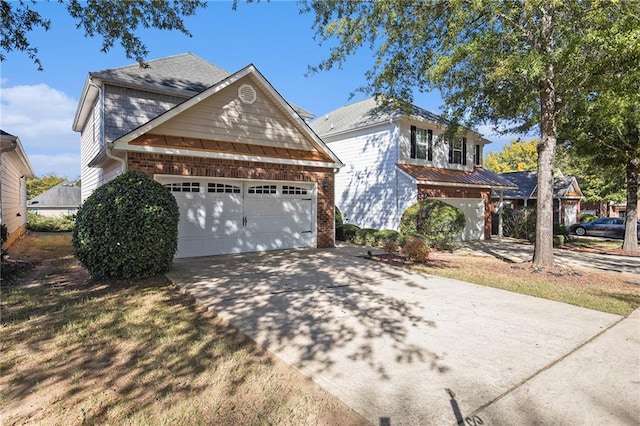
column 90, row 145
column 366, row 191
column 14, row 193
column 224, row 117
column 440, row 147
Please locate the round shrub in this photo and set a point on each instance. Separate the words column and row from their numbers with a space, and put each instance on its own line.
column 385, row 235
column 128, row 228
column 439, row 222
column 346, row 232
column 588, row 218
column 365, row 236
column 415, row 248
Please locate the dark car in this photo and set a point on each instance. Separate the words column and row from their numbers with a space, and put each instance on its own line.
column 612, row 227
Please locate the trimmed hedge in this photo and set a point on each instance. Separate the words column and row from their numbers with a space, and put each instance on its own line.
column 128, row 228
column 39, row 223
column 588, row 218
column 346, row 232
column 439, row 222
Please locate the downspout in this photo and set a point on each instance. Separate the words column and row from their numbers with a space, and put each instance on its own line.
column 500, row 213
column 111, row 155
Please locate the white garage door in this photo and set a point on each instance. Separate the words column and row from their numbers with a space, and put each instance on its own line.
column 224, row 216
column 473, row 209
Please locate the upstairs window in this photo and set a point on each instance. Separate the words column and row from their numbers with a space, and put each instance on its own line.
column 458, row 151
column 477, row 155
column 421, row 143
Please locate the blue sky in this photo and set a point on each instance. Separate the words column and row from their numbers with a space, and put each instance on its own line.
column 39, row 106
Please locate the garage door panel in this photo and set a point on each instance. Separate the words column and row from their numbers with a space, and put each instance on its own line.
column 219, row 217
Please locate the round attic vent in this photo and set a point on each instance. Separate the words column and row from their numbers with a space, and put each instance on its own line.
column 247, row 94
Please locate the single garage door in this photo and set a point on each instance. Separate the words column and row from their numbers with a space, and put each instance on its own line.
column 228, row 216
column 473, row 209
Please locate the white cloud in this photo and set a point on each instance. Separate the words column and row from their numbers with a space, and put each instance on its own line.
column 41, row 117
column 63, row 165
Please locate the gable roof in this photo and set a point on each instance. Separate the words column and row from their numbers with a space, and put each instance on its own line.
column 124, row 142
column 64, row 194
column 527, row 183
column 11, row 144
column 479, row 177
column 182, row 75
column 360, row 114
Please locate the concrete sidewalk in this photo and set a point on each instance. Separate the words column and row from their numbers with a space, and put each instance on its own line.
column 408, row 349
column 517, row 251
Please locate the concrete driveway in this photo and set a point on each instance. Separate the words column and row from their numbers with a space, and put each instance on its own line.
column 409, row 349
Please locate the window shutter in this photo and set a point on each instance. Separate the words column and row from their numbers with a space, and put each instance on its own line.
column 464, row 151
column 413, row 141
column 477, row 155
column 430, row 145
column 450, row 152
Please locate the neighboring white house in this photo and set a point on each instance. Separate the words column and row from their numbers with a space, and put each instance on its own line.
column 60, row 200
column 247, row 171
column 14, row 170
column 393, row 159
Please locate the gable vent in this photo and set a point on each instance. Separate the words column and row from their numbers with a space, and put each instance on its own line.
column 247, row 94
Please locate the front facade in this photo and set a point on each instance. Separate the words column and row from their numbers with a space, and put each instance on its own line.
column 247, row 172
column 14, row 171
column 394, row 159
column 566, row 195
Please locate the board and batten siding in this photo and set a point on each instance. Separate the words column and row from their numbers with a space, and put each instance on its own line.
column 126, row 109
column 14, row 195
column 224, row 117
column 367, row 191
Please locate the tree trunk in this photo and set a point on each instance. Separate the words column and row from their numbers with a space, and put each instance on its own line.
column 630, row 243
column 543, row 252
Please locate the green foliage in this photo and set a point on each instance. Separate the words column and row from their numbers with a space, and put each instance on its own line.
column 39, row 223
column 516, row 157
column 560, row 229
column 4, row 234
column 338, row 217
column 347, row 232
column 38, row 185
column 588, row 218
column 558, row 240
column 128, row 228
column 365, row 236
column 415, row 248
column 438, row 221
column 112, row 20
column 386, row 235
column 519, row 223
column 390, row 246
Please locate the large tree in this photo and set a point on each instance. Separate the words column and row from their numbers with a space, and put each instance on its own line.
column 604, row 121
column 508, row 63
column 518, row 156
column 113, row 20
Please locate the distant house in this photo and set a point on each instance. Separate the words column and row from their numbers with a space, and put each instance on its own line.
column 60, row 200
column 566, row 195
column 14, row 170
column 394, row 158
column 606, row 208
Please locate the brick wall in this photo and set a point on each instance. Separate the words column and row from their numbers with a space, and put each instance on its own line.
column 430, row 191
column 151, row 164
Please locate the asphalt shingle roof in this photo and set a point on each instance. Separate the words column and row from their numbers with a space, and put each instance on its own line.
column 64, row 194
column 527, row 183
column 360, row 114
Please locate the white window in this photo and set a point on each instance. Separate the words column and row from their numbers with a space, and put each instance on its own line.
column 262, row 189
column 293, row 190
column 184, row 186
column 221, row 188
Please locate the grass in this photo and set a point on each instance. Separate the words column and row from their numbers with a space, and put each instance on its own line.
column 603, row 291
column 593, row 244
column 93, row 352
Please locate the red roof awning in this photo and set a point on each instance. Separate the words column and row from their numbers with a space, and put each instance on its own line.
column 437, row 176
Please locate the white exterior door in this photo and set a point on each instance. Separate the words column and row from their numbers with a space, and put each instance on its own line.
column 219, row 216
column 473, row 209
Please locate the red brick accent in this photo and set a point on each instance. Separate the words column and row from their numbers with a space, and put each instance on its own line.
column 151, row 164
column 431, row 191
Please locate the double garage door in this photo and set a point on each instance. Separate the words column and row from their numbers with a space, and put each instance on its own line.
column 232, row 216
